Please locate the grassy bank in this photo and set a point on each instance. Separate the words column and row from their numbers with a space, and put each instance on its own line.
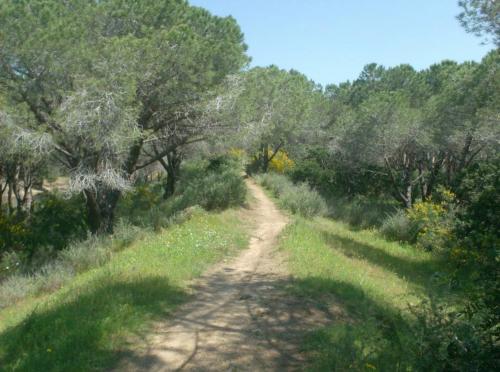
column 84, row 325
column 370, row 284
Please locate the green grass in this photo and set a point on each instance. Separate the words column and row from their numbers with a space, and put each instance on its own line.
column 86, row 324
column 372, row 282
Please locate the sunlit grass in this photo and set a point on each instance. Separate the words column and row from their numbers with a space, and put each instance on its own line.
column 372, row 281
column 85, row 324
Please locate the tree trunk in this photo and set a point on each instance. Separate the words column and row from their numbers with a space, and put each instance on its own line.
column 172, row 167
column 101, row 212
column 265, row 158
column 93, row 212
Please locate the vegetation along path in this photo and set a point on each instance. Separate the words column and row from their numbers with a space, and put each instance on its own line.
column 240, row 318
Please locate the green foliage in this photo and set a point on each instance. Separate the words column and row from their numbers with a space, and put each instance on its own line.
column 55, row 221
column 451, row 340
column 334, row 179
column 480, row 17
column 217, row 184
column 302, row 200
column 433, row 221
column 478, row 220
column 399, row 227
column 111, row 73
column 13, row 233
column 298, row 199
column 361, row 211
column 277, row 109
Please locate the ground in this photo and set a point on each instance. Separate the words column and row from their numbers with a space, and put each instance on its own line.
column 240, row 317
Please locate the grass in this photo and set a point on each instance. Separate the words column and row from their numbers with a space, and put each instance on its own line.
column 372, row 280
column 84, row 325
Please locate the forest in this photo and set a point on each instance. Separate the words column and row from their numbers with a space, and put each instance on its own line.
column 133, row 136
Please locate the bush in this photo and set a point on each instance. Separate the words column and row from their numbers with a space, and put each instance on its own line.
column 454, row 340
column 275, row 183
column 136, row 205
column 53, row 276
column 13, row 233
column 212, row 184
column 399, row 227
column 216, row 184
column 298, row 199
column 55, row 221
column 362, row 211
column 90, row 253
column 15, row 288
column 476, row 228
column 434, row 221
column 302, row 200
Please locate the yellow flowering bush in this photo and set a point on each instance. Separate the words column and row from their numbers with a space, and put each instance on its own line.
column 12, row 233
column 434, row 220
column 281, row 163
column 237, row 153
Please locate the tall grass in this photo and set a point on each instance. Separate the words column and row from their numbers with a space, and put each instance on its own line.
column 299, row 199
column 78, row 257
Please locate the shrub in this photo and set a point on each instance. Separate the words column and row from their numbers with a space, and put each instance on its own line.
column 216, row 184
column 135, row 206
column 83, row 255
column 216, row 190
column 15, row 288
column 280, row 163
column 299, row 199
column 433, row 221
column 13, row 233
column 399, row 227
column 362, row 211
column 275, row 183
column 11, row 263
column 303, row 200
column 476, row 227
column 125, row 234
column 454, row 340
column 55, row 221
column 53, row 276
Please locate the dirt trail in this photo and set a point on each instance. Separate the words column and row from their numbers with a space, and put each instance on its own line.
column 240, row 318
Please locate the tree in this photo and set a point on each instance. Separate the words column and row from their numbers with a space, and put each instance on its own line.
column 418, row 129
column 162, row 56
column 23, row 156
column 481, row 18
column 278, row 109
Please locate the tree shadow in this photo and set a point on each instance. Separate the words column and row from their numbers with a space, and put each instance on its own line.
column 419, row 273
column 84, row 333
column 369, row 334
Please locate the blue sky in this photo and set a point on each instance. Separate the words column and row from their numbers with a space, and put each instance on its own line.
column 331, row 40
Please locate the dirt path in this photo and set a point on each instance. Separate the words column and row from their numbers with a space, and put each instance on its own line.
column 240, row 317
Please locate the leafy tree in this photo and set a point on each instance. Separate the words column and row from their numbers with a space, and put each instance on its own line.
column 482, row 18
column 23, row 156
column 157, row 57
column 278, row 109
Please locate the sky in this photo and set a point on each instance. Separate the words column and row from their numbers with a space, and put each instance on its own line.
column 331, row 40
